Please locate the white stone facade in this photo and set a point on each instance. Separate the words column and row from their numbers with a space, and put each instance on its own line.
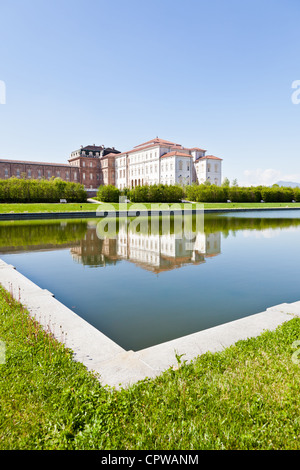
column 160, row 161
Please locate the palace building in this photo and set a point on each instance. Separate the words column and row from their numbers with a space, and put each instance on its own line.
column 160, row 161
column 153, row 162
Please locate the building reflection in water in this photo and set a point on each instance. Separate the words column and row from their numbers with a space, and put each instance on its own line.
column 155, row 252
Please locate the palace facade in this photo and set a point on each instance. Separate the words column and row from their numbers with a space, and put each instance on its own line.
column 161, row 161
column 153, row 162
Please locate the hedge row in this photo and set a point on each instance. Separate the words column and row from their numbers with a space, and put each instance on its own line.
column 153, row 193
column 156, row 193
column 201, row 193
column 20, row 190
column 212, row 193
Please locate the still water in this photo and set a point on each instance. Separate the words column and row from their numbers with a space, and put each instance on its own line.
column 147, row 286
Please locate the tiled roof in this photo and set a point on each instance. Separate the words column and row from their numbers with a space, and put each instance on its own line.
column 208, row 157
column 156, row 141
column 108, row 155
column 176, row 153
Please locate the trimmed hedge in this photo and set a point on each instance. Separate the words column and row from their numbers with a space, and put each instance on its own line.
column 15, row 190
column 212, row 193
column 156, row 193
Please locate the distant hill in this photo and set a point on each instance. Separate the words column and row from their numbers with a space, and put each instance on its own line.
column 288, row 184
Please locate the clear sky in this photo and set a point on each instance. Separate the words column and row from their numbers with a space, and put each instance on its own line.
column 214, row 74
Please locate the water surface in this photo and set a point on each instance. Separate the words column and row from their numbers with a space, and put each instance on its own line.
column 147, row 287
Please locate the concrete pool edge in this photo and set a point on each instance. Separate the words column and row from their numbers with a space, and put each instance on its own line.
column 129, row 213
column 115, row 366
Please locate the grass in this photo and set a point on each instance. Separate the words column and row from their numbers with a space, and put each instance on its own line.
column 246, row 397
column 47, row 207
column 79, row 207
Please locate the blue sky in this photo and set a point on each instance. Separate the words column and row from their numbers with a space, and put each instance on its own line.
column 214, row 74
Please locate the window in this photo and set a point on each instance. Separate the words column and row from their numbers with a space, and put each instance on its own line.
column 67, row 175
column 39, row 174
column 180, row 165
column 83, row 176
column 6, row 173
column 49, row 174
column 216, row 167
column 58, row 174
column 91, row 165
column 208, row 167
column 75, row 175
column 83, row 164
column 18, row 172
column 29, row 173
column 91, row 176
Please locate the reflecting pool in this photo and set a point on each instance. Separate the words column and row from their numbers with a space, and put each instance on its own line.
column 145, row 285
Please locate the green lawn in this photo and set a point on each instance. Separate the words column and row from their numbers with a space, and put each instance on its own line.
column 47, row 207
column 78, row 207
column 246, row 397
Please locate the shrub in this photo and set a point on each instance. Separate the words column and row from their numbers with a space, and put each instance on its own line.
column 108, row 193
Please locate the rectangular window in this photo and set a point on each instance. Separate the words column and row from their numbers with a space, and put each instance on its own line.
column 49, row 174
column 75, row 175
column 83, row 175
column 29, row 173
column 18, row 172
column 39, row 174
column 6, row 173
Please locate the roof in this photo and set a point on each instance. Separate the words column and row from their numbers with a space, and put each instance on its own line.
column 96, row 148
column 177, row 154
column 135, row 150
column 156, row 141
column 208, row 157
column 108, row 155
column 197, row 148
column 23, row 162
